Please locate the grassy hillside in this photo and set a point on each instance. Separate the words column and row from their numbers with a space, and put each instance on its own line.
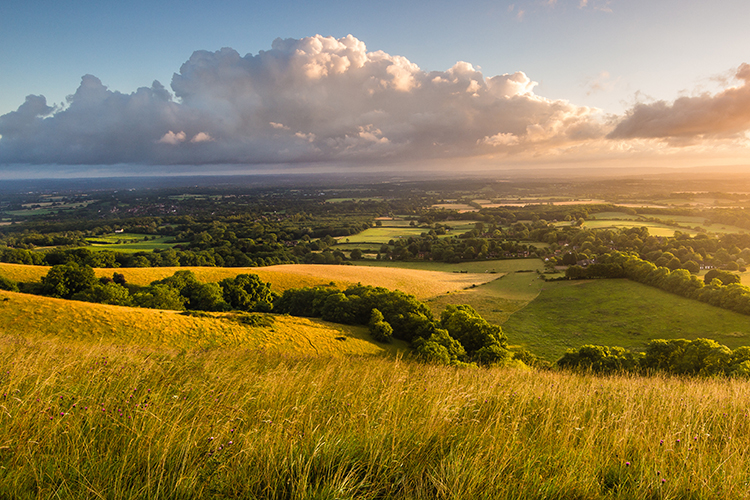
column 27, row 316
column 617, row 313
column 90, row 420
column 421, row 283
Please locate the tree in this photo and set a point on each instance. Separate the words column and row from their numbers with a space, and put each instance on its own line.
column 247, row 292
column 355, row 254
column 105, row 293
column 65, row 280
column 160, row 297
column 484, row 341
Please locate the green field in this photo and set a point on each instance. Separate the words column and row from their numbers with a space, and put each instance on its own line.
column 617, row 313
column 130, row 242
column 394, row 230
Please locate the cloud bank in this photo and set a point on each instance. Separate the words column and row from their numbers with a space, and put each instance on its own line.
column 329, row 100
column 307, row 100
column 725, row 115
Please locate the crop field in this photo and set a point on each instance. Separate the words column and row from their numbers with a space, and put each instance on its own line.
column 24, row 316
column 95, row 419
column 617, row 313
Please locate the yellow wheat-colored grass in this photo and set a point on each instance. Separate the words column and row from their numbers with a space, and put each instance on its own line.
column 422, row 284
column 29, row 315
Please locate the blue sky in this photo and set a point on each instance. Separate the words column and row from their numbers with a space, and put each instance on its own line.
column 606, row 54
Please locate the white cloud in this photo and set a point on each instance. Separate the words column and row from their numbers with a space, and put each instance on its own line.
column 201, row 137
column 312, row 99
column 172, row 138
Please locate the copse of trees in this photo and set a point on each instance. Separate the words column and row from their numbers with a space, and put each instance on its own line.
column 461, row 335
column 699, row 357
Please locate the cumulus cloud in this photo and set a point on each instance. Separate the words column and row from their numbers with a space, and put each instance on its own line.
column 689, row 119
column 304, row 100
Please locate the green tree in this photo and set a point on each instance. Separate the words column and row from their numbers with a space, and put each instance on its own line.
column 65, row 280
column 160, row 297
column 105, row 293
column 247, row 292
column 481, row 339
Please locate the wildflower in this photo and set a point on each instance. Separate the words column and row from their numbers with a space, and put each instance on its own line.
column 627, row 464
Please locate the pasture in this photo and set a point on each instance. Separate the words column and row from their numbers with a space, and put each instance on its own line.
column 569, row 314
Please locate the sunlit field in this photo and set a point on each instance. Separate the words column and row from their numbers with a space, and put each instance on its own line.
column 91, row 420
column 420, row 283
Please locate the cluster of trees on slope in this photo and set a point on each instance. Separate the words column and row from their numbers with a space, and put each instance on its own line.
column 703, row 357
column 461, row 335
column 181, row 291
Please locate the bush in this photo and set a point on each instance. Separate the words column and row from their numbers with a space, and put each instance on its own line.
column 380, row 330
column 7, row 284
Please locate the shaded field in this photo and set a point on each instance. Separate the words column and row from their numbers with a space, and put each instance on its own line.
column 30, row 315
column 617, row 313
column 93, row 420
column 421, row 283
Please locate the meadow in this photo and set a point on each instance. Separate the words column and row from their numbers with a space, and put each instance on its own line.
column 616, row 313
column 94, row 419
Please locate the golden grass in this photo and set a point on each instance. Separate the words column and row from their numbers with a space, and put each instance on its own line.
column 422, row 284
column 88, row 420
column 30, row 315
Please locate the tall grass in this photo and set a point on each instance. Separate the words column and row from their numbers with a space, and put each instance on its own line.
column 84, row 420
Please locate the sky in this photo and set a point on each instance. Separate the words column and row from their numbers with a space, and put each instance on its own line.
column 102, row 88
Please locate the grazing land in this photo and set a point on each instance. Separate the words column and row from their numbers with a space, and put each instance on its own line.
column 129, row 242
column 617, row 313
